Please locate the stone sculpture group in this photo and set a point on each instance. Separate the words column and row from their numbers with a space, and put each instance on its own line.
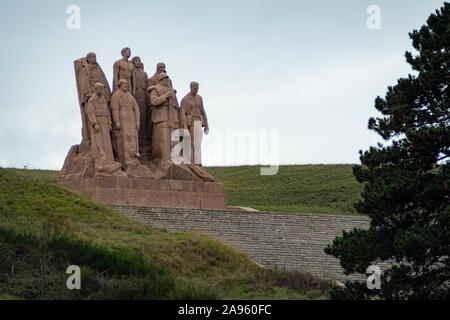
column 137, row 136
column 128, row 132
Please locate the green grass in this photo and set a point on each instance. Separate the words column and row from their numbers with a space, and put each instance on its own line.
column 45, row 228
column 328, row 189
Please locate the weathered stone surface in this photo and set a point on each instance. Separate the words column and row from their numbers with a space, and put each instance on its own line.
column 105, row 182
column 123, row 69
column 150, row 184
column 139, row 91
column 198, row 186
column 139, row 116
column 113, row 196
column 287, row 240
column 193, row 118
column 100, row 126
column 213, row 187
column 165, row 116
column 87, row 73
column 179, row 185
column 124, row 183
column 126, row 117
column 147, row 192
column 213, row 200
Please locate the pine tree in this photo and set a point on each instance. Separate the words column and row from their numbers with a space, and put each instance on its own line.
column 407, row 182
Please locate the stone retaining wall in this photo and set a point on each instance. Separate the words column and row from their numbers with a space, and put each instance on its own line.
column 286, row 240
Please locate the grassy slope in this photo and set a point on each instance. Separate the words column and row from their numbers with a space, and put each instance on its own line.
column 41, row 224
column 328, row 189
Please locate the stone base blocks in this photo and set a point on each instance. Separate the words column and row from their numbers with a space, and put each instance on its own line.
column 148, row 192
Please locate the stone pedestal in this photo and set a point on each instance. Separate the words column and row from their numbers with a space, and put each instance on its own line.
column 169, row 185
column 148, row 192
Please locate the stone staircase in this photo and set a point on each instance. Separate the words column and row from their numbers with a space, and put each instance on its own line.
column 286, row 240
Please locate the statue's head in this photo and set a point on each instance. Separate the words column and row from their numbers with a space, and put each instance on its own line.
column 91, row 57
column 123, row 85
column 194, row 87
column 137, row 62
column 126, row 52
column 160, row 67
column 98, row 87
column 163, row 79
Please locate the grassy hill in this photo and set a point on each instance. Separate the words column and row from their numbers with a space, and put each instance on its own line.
column 44, row 229
column 328, row 189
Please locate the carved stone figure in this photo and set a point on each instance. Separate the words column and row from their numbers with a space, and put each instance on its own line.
column 165, row 116
column 100, row 126
column 154, row 80
column 193, row 118
column 139, row 91
column 160, row 68
column 115, row 163
column 88, row 73
column 123, row 69
column 126, row 119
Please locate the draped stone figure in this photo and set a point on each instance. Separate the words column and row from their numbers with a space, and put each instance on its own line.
column 164, row 116
column 87, row 74
column 126, row 121
column 123, row 69
column 160, row 68
column 193, row 118
column 140, row 84
column 100, row 126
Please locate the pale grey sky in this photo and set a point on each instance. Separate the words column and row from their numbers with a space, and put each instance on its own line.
column 310, row 69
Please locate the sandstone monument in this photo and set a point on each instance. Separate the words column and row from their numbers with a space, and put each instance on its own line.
column 138, row 146
column 139, row 91
column 193, row 118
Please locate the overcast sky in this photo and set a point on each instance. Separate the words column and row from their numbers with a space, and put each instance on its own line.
column 309, row 69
